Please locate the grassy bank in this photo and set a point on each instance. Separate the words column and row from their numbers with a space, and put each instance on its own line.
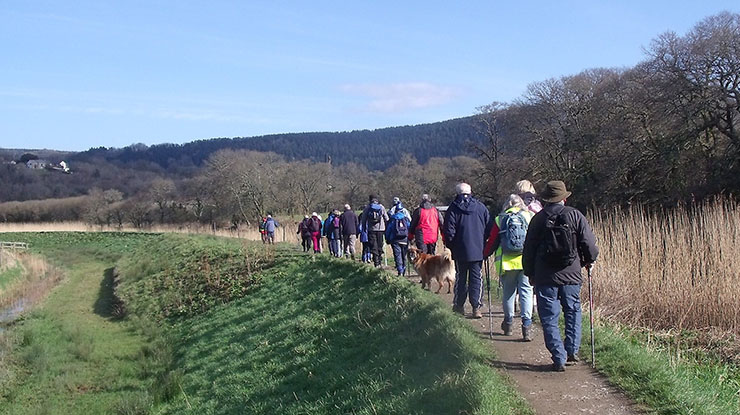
column 666, row 376
column 327, row 336
column 207, row 331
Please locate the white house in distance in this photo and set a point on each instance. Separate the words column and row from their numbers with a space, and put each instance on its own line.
column 37, row 164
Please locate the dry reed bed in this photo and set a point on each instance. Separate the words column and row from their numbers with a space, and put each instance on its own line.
column 248, row 234
column 38, row 278
column 670, row 270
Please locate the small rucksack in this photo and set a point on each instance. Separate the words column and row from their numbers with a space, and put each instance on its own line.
column 559, row 240
column 401, row 227
column 374, row 215
column 513, row 232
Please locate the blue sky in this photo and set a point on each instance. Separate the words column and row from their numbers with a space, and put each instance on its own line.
column 80, row 74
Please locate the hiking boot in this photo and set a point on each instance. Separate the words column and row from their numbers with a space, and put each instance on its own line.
column 527, row 333
column 557, row 367
column 459, row 309
column 506, row 328
column 573, row 359
column 477, row 313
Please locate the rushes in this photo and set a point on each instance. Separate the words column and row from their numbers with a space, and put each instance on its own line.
column 670, row 270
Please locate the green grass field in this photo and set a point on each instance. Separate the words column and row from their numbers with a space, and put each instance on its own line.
column 306, row 335
column 214, row 326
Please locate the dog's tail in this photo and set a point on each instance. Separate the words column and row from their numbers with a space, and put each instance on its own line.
column 447, row 254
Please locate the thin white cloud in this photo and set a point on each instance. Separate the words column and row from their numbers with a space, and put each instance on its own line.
column 402, row 96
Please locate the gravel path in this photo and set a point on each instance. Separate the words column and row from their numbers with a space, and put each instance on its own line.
column 578, row 390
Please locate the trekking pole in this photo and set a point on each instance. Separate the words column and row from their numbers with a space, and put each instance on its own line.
column 591, row 316
column 490, row 312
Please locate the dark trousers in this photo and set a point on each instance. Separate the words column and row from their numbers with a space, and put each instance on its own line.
column 375, row 239
column 425, row 248
column 306, row 243
column 468, row 283
column 399, row 256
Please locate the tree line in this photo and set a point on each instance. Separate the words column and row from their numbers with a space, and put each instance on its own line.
column 664, row 131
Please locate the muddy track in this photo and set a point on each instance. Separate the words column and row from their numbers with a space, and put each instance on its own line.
column 578, row 390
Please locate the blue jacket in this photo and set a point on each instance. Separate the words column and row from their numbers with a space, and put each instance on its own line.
column 270, row 225
column 391, row 235
column 466, row 226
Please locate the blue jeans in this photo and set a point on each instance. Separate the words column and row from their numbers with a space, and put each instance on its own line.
column 549, row 301
column 468, row 283
column 399, row 256
column 511, row 281
column 334, row 247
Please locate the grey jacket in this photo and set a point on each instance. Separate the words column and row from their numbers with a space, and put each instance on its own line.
column 533, row 257
column 380, row 226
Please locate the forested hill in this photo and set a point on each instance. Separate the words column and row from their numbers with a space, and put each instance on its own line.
column 376, row 149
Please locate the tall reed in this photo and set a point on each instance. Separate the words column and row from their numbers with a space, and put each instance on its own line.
column 670, row 269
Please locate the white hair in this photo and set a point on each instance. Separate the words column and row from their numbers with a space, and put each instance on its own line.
column 463, row 189
column 347, row 207
column 513, row 201
column 525, row 186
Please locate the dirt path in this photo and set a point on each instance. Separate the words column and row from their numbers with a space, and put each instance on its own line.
column 579, row 390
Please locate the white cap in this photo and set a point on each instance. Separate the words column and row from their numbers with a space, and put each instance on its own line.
column 463, row 189
column 314, row 214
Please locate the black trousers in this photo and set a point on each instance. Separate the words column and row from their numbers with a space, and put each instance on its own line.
column 425, row 248
column 375, row 239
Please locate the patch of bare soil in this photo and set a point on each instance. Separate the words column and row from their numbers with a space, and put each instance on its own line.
column 578, row 390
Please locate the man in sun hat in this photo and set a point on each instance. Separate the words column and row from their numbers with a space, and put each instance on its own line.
column 559, row 243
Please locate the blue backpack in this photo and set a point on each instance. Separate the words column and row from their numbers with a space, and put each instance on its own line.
column 398, row 228
column 513, row 231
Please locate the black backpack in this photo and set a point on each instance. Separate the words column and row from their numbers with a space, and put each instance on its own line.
column 559, row 240
column 373, row 216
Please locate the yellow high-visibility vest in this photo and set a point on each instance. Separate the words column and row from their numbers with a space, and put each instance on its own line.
column 509, row 261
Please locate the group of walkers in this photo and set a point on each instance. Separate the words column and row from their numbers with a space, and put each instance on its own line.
column 533, row 245
column 375, row 226
column 538, row 245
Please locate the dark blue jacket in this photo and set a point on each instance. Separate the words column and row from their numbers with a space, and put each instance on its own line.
column 467, row 224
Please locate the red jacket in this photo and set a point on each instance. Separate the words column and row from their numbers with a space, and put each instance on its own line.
column 425, row 223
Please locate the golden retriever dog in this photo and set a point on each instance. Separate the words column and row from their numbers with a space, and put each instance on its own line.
column 438, row 267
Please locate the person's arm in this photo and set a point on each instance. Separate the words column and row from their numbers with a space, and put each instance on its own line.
column 493, row 241
column 414, row 221
column 448, row 230
column 529, row 254
column 587, row 248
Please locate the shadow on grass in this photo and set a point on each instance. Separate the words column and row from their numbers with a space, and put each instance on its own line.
column 331, row 336
column 104, row 303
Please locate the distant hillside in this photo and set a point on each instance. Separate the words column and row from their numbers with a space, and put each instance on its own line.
column 376, row 149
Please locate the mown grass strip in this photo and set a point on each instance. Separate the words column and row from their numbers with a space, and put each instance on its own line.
column 67, row 356
column 327, row 336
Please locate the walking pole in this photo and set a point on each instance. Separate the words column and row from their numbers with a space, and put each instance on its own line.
column 591, row 316
column 490, row 312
